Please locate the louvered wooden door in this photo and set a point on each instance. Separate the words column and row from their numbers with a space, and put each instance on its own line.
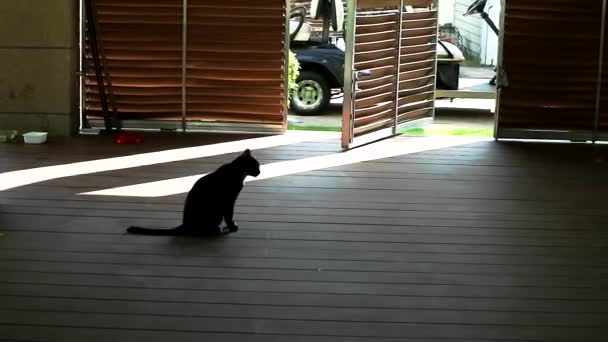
column 207, row 64
column 235, row 64
column 390, row 68
column 140, row 42
column 548, row 77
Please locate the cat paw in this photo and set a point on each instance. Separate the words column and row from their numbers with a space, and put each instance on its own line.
column 230, row 229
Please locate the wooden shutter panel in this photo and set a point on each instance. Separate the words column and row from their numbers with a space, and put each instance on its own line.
column 401, row 86
column 550, row 55
column 417, row 67
column 375, row 51
column 141, row 41
column 236, row 61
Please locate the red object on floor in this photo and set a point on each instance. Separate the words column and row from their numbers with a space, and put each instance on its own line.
column 128, row 138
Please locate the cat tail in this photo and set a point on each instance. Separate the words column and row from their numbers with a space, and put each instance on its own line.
column 151, row 231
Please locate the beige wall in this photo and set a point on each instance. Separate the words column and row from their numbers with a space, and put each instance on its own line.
column 39, row 65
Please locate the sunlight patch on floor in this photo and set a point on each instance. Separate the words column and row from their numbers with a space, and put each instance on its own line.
column 14, row 179
column 383, row 149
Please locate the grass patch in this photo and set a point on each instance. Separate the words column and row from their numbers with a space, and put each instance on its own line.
column 414, row 131
column 449, row 131
column 297, row 127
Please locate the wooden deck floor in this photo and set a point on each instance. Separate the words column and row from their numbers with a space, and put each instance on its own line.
column 476, row 242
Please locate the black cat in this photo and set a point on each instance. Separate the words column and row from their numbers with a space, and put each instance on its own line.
column 212, row 199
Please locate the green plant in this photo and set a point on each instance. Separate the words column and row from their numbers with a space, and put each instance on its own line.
column 294, row 72
column 297, row 127
column 449, row 131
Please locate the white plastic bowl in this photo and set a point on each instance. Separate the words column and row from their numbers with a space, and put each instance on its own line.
column 35, row 137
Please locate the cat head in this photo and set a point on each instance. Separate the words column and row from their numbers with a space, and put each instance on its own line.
column 251, row 165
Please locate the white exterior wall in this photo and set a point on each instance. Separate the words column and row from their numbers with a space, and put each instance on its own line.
column 470, row 27
column 446, row 11
column 490, row 48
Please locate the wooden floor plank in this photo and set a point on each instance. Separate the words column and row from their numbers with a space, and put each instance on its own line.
column 303, row 313
column 107, row 220
column 419, row 204
column 542, row 277
column 557, row 219
column 178, row 244
column 276, row 257
column 252, row 298
column 97, row 334
column 119, row 320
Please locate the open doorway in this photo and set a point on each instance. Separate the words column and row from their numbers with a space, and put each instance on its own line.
column 473, row 27
column 464, row 105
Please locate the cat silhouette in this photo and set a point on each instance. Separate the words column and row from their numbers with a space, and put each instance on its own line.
column 211, row 200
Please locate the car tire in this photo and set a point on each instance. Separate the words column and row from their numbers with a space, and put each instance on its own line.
column 312, row 95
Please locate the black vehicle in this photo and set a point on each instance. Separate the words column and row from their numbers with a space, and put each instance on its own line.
column 321, row 70
column 321, row 62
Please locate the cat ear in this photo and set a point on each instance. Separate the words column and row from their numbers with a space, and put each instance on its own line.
column 247, row 152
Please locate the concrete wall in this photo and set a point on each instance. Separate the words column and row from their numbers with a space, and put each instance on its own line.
column 39, row 65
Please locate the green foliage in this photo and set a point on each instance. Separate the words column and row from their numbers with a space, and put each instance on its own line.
column 297, row 127
column 294, row 72
column 449, row 131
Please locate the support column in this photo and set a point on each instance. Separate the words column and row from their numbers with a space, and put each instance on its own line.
column 39, row 63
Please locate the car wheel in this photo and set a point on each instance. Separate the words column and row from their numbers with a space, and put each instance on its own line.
column 312, row 95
